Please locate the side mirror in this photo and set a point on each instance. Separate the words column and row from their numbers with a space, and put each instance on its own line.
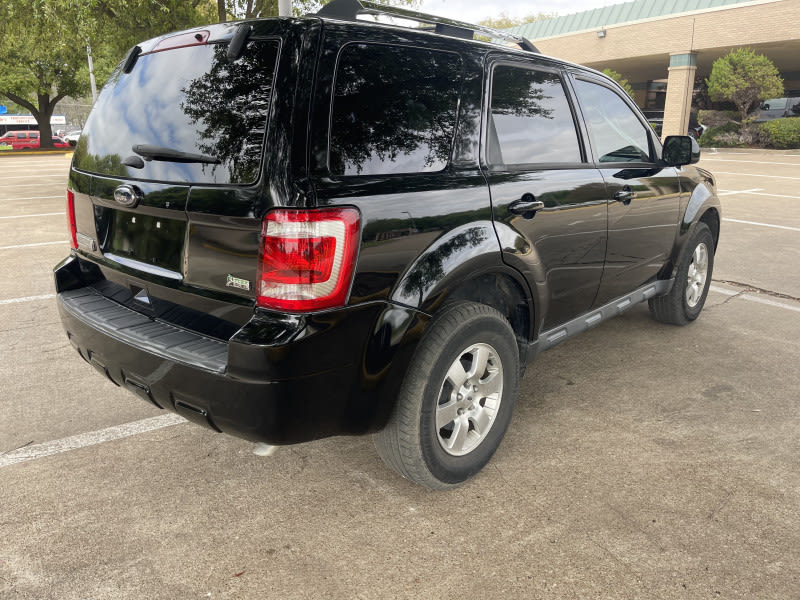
column 680, row 150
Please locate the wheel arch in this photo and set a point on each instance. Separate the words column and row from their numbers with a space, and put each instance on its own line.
column 711, row 218
column 466, row 264
column 507, row 295
column 703, row 207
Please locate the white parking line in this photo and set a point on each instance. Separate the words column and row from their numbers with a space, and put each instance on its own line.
column 37, row 197
column 732, row 154
column 755, row 162
column 756, row 192
column 754, row 298
column 32, row 245
column 761, row 224
column 63, row 175
column 754, row 175
column 732, row 192
column 28, row 299
column 61, row 214
column 40, row 184
column 92, row 438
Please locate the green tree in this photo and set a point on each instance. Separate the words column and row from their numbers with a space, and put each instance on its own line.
column 620, row 80
column 40, row 64
column 745, row 78
column 43, row 52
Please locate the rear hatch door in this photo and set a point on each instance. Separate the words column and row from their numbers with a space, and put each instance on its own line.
column 182, row 115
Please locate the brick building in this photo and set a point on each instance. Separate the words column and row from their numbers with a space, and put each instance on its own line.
column 659, row 46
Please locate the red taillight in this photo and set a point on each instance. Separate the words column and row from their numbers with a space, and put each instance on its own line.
column 307, row 258
column 73, row 227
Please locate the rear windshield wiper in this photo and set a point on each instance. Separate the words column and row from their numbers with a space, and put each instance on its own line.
column 150, row 152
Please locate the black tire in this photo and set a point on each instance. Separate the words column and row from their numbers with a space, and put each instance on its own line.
column 478, row 338
column 688, row 294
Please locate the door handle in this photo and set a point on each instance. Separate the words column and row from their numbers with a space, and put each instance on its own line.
column 625, row 195
column 526, row 206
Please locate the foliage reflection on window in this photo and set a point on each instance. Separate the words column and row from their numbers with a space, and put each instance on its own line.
column 531, row 120
column 229, row 106
column 394, row 110
column 187, row 99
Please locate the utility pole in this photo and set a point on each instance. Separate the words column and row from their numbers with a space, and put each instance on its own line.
column 284, row 8
column 91, row 71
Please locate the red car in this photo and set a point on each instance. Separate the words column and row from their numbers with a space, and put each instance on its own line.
column 23, row 139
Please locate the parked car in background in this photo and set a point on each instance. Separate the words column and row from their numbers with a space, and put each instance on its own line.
column 20, row 140
column 656, row 120
column 59, row 142
column 26, row 140
column 72, row 137
column 778, row 108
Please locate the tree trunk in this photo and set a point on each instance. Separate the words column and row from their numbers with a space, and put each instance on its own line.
column 43, row 118
column 221, row 11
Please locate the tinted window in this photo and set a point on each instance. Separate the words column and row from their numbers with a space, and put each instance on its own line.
column 616, row 132
column 187, row 99
column 531, row 120
column 394, row 110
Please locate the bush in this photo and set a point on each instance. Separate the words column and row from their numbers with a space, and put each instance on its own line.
column 728, row 135
column 716, row 118
column 745, row 78
column 782, row 134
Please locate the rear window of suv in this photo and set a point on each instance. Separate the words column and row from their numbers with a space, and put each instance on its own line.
column 394, row 110
column 191, row 100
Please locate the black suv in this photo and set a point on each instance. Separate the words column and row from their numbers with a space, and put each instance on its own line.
column 294, row 228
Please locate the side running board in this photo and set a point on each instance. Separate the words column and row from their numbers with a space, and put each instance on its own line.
column 552, row 337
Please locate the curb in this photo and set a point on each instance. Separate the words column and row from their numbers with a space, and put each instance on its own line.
column 35, row 152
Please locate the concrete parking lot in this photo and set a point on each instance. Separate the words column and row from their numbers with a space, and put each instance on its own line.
column 643, row 461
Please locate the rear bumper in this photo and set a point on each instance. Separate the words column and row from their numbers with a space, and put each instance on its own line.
column 281, row 379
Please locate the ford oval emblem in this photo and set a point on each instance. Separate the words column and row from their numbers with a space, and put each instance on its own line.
column 127, row 195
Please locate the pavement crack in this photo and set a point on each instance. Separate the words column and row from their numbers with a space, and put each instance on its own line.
column 712, row 516
column 734, row 297
column 25, row 445
column 513, row 488
column 746, row 287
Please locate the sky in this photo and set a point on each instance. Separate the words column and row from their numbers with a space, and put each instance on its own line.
column 475, row 10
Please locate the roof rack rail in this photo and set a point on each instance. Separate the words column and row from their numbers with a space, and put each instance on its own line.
column 349, row 10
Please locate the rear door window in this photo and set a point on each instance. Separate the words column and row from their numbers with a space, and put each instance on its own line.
column 394, row 110
column 192, row 100
column 531, row 121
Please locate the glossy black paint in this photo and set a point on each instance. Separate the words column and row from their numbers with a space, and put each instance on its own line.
column 426, row 239
column 287, row 379
column 561, row 248
column 641, row 228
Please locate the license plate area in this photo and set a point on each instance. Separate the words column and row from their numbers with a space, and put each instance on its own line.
column 148, row 239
